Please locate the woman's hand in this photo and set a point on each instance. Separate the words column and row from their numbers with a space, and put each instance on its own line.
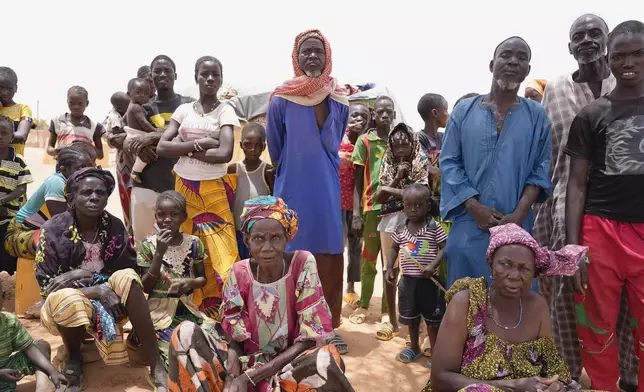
column 180, row 287
column 148, row 155
column 67, row 279
column 238, row 384
column 163, row 240
column 111, row 302
column 207, row 143
column 138, row 142
column 536, row 384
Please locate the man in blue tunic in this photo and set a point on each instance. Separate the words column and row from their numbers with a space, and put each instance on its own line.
column 495, row 162
column 306, row 120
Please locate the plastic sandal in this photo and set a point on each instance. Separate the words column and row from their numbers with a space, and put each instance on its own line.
column 427, row 349
column 352, row 299
column 408, row 355
column 154, row 385
column 358, row 316
column 339, row 343
column 386, row 332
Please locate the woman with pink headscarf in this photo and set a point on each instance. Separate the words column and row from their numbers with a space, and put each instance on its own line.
column 305, row 123
column 506, row 342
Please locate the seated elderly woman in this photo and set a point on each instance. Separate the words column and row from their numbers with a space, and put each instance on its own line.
column 85, row 267
column 48, row 200
column 506, row 343
column 273, row 314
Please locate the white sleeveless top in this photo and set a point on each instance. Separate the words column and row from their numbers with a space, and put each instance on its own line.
column 249, row 185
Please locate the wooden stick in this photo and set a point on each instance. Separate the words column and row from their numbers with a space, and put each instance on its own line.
column 420, row 266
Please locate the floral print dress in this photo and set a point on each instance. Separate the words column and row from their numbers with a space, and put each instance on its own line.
column 265, row 319
column 178, row 262
column 486, row 357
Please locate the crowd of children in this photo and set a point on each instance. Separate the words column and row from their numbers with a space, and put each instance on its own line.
column 384, row 172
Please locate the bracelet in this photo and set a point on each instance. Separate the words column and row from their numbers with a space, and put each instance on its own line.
column 197, row 147
column 153, row 275
column 249, row 379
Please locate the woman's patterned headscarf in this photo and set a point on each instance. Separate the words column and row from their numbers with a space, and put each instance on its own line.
column 564, row 262
column 101, row 174
column 269, row 207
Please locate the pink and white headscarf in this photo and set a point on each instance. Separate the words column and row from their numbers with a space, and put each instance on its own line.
column 564, row 261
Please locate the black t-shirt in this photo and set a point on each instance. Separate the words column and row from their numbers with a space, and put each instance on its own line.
column 157, row 176
column 610, row 134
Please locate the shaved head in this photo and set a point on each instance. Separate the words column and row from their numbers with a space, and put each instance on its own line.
column 585, row 18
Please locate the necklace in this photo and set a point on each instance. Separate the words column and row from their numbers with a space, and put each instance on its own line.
column 195, row 106
column 95, row 236
column 283, row 271
column 489, row 300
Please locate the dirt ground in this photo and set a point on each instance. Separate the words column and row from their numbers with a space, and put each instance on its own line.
column 370, row 363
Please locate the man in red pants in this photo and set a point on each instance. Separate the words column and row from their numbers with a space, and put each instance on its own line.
column 606, row 146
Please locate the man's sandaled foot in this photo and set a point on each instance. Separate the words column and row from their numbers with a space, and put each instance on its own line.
column 408, row 355
column 386, row 332
column 352, row 299
column 358, row 316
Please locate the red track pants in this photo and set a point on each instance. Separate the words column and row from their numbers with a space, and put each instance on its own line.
column 616, row 263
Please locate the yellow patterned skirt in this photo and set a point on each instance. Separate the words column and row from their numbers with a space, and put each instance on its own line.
column 210, row 217
column 70, row 308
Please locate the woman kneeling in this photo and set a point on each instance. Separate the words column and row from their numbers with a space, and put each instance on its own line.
column 506, row 343
column 85, row 267
column 274, row 312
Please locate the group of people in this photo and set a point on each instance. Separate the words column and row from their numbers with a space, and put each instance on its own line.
column 231, row 274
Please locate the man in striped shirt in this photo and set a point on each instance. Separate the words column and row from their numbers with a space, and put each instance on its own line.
column 420, row 241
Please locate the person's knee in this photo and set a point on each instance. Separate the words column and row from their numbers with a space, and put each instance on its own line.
column 44, row 347
column 63, row 294
column 123, row 281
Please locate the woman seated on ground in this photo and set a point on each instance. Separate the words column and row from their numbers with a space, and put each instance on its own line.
column 274, row 313
column 506, row 343
column 85, row 267
column 47, row 201
column 171, row 266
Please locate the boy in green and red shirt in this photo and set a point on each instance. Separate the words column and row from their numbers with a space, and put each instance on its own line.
column 367, row 158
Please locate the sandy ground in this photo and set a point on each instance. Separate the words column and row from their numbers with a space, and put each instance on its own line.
column 370, row 363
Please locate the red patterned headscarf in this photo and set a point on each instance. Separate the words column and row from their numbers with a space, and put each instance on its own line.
column 309, row 91
column 564, row 261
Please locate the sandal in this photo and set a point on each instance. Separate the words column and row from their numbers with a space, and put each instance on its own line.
column 73, row 372
column 427, row 349
column 386, row 332
column 154, row 385
column 408, row 355
column 337, row 341
column 352, row 299
column 358, row 316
